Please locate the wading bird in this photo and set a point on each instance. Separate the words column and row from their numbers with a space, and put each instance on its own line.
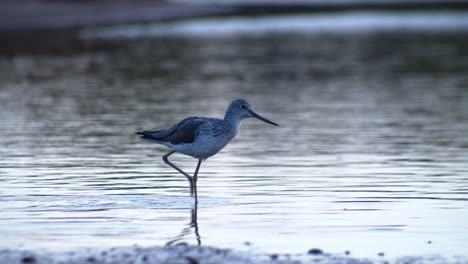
column 202, row 137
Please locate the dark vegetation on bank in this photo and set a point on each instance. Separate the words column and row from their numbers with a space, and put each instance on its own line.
column 40, row 26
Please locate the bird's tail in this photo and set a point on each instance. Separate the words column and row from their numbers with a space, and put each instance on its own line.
column 149, row 135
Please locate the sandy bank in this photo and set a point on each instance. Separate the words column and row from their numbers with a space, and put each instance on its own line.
column 39, row 26
column 66, row 14
column 183, row 254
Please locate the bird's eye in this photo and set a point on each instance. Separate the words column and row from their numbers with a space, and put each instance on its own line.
column 243, row 106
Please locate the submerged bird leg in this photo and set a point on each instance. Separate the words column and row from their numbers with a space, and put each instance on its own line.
column 189, row 178
column 195, row 179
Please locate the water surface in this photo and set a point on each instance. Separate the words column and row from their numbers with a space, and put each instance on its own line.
column 370, row 156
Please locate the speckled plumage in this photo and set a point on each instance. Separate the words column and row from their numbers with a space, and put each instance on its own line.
column 202, row 137
column 199, row 137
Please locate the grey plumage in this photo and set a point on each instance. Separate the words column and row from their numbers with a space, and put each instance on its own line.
column 202, row 137
column 183, row 132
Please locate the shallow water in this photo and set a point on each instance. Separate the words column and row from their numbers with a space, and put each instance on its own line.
column 370, row 156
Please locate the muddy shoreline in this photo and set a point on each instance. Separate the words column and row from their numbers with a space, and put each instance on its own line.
column 30, row 15
column 38, row 26
column 183, row 254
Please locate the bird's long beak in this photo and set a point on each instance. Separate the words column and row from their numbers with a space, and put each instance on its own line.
column 261, row 118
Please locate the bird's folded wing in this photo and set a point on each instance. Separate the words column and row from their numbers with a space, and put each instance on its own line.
column 182, row 132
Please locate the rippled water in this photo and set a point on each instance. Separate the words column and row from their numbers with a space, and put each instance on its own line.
column 371, row 154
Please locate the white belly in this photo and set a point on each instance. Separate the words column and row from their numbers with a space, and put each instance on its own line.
column 203, row 147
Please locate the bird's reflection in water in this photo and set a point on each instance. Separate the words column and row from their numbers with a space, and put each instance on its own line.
column 193, row 225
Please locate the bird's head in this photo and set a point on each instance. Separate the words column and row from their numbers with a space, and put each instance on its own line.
column 244, row 109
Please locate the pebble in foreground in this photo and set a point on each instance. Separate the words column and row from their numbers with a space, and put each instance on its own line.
column 202, row 137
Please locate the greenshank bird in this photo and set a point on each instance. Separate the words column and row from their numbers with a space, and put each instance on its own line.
column 202, row 137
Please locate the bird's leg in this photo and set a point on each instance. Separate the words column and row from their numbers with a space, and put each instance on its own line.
column 194, row 223
column 195, row 180
column 189, row 178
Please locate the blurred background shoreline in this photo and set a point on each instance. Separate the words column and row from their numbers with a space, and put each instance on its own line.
column 45, row 26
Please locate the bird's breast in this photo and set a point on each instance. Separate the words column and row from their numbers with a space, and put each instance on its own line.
column 205, row 146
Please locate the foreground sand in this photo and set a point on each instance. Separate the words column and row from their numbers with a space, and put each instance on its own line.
column 183, row 254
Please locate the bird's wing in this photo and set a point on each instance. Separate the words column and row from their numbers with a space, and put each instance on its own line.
column 182, row 132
